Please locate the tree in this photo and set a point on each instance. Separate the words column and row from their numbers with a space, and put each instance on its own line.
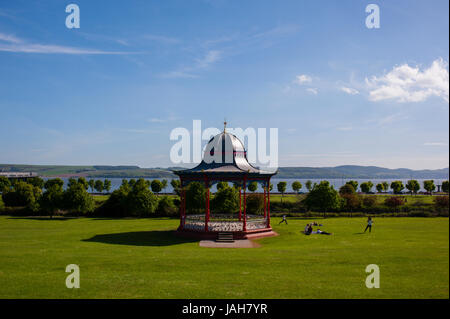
column 176, row 185
column 445, row 187
column 107, row 185
column 441, row 203
column 163, row 184
column 308, row 185
column 322, row 197
column 156, row 186
column 36, row 181
column 397, row 187
column 141, row 200
column 255, row 204
column 429, row 186
column 52, row 199
column 347, row 189
column 354, row 184
column 132, row 182
column 84, row 182
column 23, row 194
column 72, row 181
column 351, row 202
column 369, row 201
column 92, row 184
column 413, row 186
column 226, row 200
column 221, row 185
column 385, row 186
column 77, row 199
column 117, row 203
column 166, row 207
column 252, row 186
column 98, row 186
column 394, row 202
column 270, row 186
column 54, row 181
column 5, row 184
column 380, row 187
column 366, row 187
column 297, row 186
column 195, row 196
column 281, row 186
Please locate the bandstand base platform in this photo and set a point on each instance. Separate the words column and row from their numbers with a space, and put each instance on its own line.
column 212, row 235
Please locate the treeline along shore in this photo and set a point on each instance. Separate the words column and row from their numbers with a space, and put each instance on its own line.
column 143, row 198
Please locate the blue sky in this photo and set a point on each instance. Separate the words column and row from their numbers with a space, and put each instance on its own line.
column 111, row 91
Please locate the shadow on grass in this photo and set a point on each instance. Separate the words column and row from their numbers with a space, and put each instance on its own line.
column 141, row 238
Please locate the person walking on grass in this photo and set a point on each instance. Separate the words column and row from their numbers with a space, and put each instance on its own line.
column 369, row 224
column 283, row 220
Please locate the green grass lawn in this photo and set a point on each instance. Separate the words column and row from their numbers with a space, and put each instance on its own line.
column 140, row 258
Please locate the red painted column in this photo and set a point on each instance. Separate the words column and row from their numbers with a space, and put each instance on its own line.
column 245, row 205
column 207, row 204
column 268, row 205
column 265, row 204
column 184, row 206
column 181, row 207
column 240, row 205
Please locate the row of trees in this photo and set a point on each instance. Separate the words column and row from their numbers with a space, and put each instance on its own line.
column 133, row 198
column 413, row 186
column 324, row 197
column 30, row 194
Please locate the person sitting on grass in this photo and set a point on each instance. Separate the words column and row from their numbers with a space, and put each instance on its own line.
column 308, row 229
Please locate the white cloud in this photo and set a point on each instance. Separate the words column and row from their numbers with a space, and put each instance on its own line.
column 349, row 90
column 14, row 44
column 9, row 38
column 312, row 91
column 206, row 61
column 302, row 79
column 435, row 144
column 410, row 84
column 210, row 57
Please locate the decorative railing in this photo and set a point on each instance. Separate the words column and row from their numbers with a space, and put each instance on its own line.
column 223, row 222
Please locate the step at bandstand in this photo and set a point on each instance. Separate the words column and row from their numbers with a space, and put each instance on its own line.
column 225, row 237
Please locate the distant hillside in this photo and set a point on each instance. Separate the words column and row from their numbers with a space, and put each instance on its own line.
column 346, row 171
column 354, row 171
column 89, row 171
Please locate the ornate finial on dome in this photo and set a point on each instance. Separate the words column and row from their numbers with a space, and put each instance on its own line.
column 225, row 125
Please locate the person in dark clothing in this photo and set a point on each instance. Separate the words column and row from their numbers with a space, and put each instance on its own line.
column 369, row 224
column 283, row 220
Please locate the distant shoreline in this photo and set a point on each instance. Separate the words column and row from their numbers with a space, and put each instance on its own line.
column 345, row 171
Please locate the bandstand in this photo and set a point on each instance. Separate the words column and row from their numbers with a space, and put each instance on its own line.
column 225, row 159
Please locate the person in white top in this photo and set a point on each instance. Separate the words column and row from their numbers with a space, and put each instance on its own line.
column 369, row 224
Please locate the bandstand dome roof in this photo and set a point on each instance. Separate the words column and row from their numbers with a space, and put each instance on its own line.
column 224, row 154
